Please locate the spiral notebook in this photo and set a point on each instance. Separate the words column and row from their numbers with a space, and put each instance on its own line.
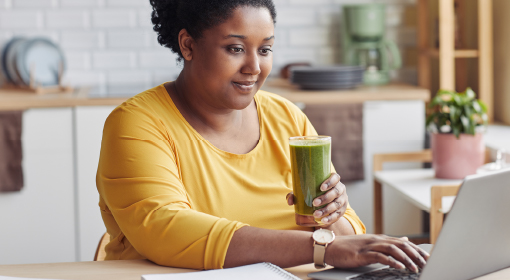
column 257, row 271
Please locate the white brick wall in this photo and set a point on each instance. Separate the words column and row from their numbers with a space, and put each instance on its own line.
column 157, row 59
column 114, row 59
column 111, row 42
column 82, row 40
column 126, row 3
column 34, row 3
column 128, row 38
column 78, row 60
column 67, row 19
column 109, row 18
column 20, row 19
column 81, row 3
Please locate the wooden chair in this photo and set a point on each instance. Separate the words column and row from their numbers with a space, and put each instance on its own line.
column 437, row 192
column 100, row 251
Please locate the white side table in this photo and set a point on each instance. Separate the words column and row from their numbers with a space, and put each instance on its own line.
column 421, row 188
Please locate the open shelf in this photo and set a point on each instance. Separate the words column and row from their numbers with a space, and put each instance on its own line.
column 448, row 55
column 457, row 53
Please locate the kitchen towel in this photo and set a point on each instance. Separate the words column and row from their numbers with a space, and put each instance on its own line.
column 11, row 172
column 344, row 123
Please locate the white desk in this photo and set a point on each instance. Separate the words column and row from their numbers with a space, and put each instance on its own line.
column 415, row 185
column 498, row 137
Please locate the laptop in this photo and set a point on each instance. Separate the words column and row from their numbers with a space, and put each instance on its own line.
column 474, row 240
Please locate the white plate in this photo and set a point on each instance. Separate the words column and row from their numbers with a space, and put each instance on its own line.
column 43, row 58
column 10, row 61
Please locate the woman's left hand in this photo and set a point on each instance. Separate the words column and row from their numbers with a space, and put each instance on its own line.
column 335, row 200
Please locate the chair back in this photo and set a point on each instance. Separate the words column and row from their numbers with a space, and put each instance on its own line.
column 100, row 251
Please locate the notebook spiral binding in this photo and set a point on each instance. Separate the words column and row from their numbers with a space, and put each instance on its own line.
column 281, row 272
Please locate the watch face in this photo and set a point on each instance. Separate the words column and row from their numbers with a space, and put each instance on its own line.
column 323, row 236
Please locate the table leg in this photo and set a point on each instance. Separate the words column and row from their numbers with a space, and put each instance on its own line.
column 436, row 211
column 436, row 214
column 378, row 214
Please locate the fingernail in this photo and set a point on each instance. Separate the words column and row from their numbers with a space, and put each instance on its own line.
column 317, row 202
column 414, row 268
column 325, row 220
column 324, row 187
column 317, row 213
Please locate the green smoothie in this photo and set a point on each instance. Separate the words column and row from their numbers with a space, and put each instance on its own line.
column 311, row 165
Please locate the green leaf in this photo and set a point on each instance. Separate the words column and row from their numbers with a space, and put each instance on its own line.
column 465, row 100
column 435, row 101
column 476, row 106
column 484, row 107
column 456, row 130
column 458, row 100
column 470, row 94
column 454, row 114
column 430, row 119
column 465, row 123
column 467, row 111
column 485, row 118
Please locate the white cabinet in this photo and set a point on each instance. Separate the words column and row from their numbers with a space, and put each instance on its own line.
column 55, row 217
column 37, row 224
column 89, row 123
column 389, row 126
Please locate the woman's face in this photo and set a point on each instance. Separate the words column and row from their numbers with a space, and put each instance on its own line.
column 232, row 60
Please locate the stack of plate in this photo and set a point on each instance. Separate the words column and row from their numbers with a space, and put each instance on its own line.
column 36, row 58
column 327, row 77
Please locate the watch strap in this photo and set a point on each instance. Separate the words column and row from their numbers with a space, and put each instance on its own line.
column 319, row 253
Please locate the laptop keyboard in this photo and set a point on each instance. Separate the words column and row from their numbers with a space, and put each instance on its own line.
column 388, row 274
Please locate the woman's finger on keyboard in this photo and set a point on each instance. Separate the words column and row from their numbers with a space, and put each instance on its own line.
column 412, row 251
column 392, row 249
column 377, row 257
column 422, row 252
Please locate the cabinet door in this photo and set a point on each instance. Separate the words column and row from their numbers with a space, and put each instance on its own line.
column 388, row 127
column 89, row 132
column 37, row 223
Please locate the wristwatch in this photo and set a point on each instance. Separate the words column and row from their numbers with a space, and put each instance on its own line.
column 321, row 239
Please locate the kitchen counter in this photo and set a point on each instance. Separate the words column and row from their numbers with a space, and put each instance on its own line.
column 357, row 95
column 17, row 100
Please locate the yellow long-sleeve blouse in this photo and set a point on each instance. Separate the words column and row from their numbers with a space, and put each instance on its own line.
column 169, row 195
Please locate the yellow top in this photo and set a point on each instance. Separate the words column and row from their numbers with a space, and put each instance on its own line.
column 169, row 195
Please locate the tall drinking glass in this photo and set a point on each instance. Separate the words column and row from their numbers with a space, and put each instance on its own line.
column 310, row 158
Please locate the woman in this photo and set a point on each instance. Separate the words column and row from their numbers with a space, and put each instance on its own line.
column 193, row 173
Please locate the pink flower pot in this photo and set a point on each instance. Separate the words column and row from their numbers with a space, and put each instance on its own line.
column 454, row 158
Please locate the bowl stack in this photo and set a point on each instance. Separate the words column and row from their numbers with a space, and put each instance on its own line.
column 327, row 77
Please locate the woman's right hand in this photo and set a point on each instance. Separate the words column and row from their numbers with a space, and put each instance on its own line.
column 359, row 250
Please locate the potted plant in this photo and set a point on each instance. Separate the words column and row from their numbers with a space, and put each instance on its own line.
column 456, row 126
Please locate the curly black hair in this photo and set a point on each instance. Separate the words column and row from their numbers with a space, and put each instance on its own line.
column 171, row 16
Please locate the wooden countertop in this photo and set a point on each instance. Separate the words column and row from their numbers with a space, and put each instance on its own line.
column 133, row 269
column 359, row 94
column 16, row 100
